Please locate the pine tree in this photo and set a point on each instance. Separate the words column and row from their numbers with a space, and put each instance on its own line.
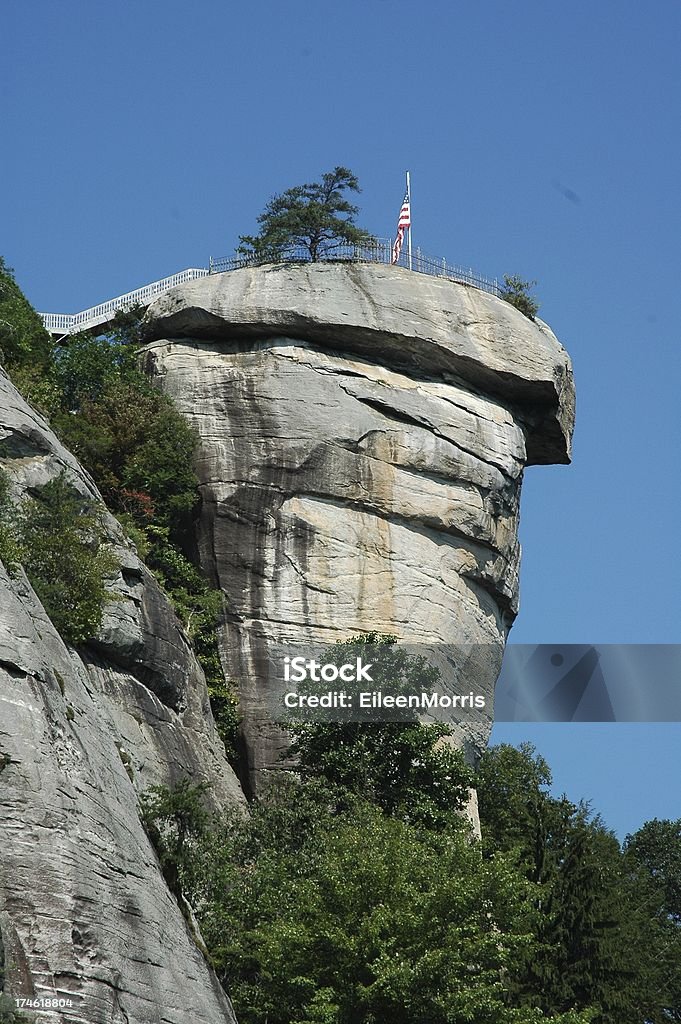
column 316, row 217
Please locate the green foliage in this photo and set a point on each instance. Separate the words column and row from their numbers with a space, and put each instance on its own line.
column 24, row 342
column 85, row 366
column 25, row 346
column 603, row 932
column 176, row 821
column 339, row 900
column 139, row 449
column 128, row 327
column 314, row 912
column 9, row 546
column 406, row 768
column 655, row 851
column 652, row 858
column 128, row 434
column 315, row 216
column 512, row 784
column 59, row 537
column 517, row 291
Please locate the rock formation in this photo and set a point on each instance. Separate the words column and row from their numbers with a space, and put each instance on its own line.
column 363, row 435
column 85, row 914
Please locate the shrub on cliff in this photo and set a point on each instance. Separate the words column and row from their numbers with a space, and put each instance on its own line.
column 24, row 342
column 516, row 291
column 139, row 449
column 176, row 822
column 59, row 538
column 9, row 547
column 316, row 216
column 25, row 346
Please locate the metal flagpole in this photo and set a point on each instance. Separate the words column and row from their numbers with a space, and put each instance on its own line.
column 409, row 229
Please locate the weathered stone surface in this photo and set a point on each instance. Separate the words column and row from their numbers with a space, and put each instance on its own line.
column 425, row 325
column 363, row 437
column 85, row 914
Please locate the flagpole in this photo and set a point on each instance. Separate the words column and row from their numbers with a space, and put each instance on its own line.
column 409, row 229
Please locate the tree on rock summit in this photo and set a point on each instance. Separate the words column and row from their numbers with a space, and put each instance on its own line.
column 316, row 217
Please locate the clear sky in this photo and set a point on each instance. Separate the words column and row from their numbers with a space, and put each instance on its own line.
column 543, row 139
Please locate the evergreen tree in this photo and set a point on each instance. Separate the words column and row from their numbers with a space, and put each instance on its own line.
column 599, row 941
column 317, row 217
column 653, row 870
column 516, row 291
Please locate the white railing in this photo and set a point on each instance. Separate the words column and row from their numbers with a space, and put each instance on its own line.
column 70, row 323
column 379, row 251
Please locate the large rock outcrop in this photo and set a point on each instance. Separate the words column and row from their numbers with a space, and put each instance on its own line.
column 363, row 435
column 85, row 914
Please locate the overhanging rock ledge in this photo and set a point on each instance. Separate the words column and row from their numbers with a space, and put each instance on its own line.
column 421, row 324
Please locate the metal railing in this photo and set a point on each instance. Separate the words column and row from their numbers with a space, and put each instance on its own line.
column 70, row 323
column 378, row 252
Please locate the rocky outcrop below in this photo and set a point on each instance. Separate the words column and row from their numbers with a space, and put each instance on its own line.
column 363, row 435
column 85, row 914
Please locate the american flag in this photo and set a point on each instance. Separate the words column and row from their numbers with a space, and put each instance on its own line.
column 403, row 222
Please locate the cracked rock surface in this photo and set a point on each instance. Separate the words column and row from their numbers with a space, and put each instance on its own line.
column 363, row 436
column 85, row 914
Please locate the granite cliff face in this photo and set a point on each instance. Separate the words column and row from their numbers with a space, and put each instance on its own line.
column 85, row 914
column 363, row 435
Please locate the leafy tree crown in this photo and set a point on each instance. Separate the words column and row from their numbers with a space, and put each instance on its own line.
column 316, row 216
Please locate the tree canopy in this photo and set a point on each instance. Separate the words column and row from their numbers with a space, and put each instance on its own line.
column 323, row 909
column 406, row 768
column 23, row 338
column 604, row 919
column 317, row 217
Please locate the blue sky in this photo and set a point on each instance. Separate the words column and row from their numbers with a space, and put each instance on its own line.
column 142, row 137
